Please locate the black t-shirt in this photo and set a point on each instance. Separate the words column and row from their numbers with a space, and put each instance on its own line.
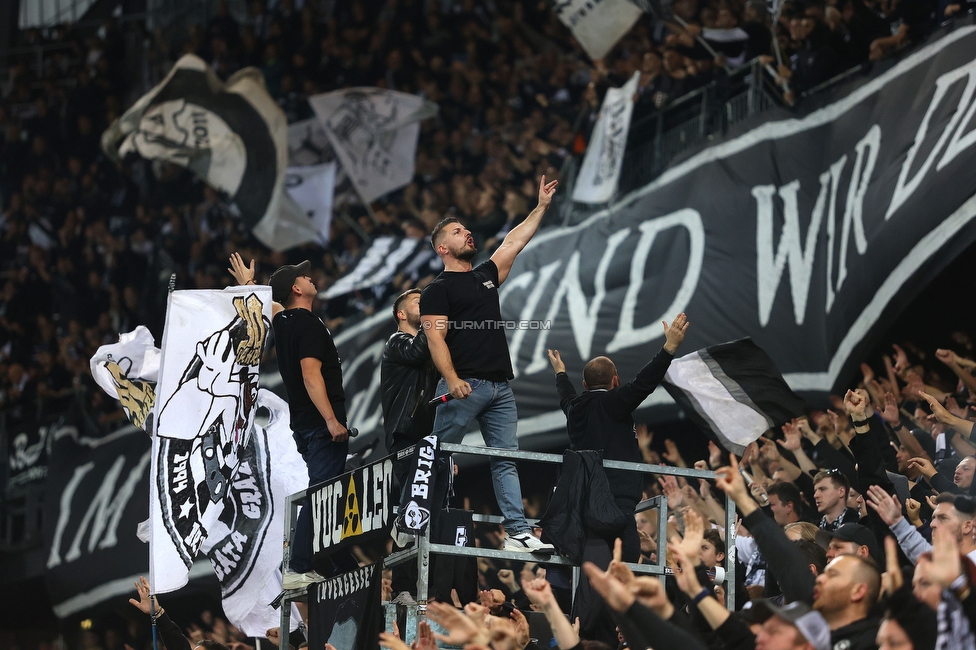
column 476, row 334
column 300, row 334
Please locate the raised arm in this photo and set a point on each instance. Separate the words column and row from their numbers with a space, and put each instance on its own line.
column 957, row 365
column 244, row 275
column 519, row 236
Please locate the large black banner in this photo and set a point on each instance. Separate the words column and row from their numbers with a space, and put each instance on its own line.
column 807, row 233
column 345, row 611
column 353, row 509
column 96, row 495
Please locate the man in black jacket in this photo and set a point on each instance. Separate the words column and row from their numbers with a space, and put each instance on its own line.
column 602, row 418
column 407, row 380
column 408, row 377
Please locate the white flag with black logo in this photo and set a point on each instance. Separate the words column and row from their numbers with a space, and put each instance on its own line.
column 597, row 25
column 604, row 158
column 374, row 133
column 733, row 391
column 233, row 136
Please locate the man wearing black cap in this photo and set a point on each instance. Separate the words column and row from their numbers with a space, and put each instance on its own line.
column 310, row 369
column 854, row 539
column 791, row 627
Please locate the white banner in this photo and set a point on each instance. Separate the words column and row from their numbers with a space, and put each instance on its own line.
column 127, row 371
column 600, row 171
column 597, row 25
column 312, row 188
column 206, row 402
column 374, row 133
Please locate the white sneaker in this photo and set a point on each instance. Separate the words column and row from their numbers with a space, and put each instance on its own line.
column 527, row 543
column 292, row 581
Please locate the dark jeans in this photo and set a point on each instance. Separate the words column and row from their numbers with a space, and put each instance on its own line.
column 325, row 460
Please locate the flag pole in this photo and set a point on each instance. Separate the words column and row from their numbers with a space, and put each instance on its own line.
column 152, row 491
column 152, row 610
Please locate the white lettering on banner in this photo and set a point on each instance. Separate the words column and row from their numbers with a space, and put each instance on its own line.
column 103, row 514
column 800, row 255
column 853, row 209
column 954, row 127
column 332, row 503
column 582, row 316
column 628, row 336
column 344, row 585
column 545, row 273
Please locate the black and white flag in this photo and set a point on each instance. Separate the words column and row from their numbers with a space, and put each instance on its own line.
column 385, row 258
column 219, row 476
column 346, row 611
column 597, row 25
column 374, row 133
column 233, row 136
column 733, row 391
column 604, row 158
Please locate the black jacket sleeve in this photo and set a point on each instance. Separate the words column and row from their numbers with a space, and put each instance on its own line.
column 735, row 634
column 566, row 391
column 644, row 629
column 830, row 457
column 940, row 483
column 628, row 397
column 171, row 634
column 409, row 351
column 783, row 559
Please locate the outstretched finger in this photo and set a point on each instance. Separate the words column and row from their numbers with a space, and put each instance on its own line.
column 618, row 549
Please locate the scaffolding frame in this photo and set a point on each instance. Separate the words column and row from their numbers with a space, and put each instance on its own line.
column 422, row 550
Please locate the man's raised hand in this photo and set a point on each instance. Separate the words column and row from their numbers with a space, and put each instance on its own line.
column 674, row 333
column 546, row 192
column 242, row 273
column 885, row 505
column 557, row 361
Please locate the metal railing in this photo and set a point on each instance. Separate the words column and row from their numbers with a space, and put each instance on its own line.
column 422, row 550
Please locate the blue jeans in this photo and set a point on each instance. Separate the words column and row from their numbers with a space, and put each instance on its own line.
column 325, row 460
column 493, row 405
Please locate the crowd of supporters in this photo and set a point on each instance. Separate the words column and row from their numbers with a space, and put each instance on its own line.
column 87, row 247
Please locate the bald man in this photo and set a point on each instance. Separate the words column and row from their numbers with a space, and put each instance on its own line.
column 602, row 418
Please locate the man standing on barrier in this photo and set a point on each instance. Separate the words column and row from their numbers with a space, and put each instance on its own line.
column 311, row 372
column 462, row 317
column 602, row 418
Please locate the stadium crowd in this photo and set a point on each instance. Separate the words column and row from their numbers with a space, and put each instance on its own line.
column 86, row 249
column 84, row 242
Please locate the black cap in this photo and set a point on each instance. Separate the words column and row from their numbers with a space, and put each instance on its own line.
column 925, row 439
column 283, row 279
column 810, row 623
column 863, row 536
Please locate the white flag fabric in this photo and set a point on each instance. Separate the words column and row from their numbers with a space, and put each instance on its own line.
column 127, row 371
column 374, row 133
column 312, row 188
column 241, row 531
column 604, row 158
column 206, row 466
column 598, row 26
column 733, row 392
column 233, row 136
column 381, row 262
column 247, row 605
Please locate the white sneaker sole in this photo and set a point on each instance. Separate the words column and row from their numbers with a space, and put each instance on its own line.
column 547, row 550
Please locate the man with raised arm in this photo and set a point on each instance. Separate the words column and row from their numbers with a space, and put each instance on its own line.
column 312, row 373
column 462, row 317
column 602, row 418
